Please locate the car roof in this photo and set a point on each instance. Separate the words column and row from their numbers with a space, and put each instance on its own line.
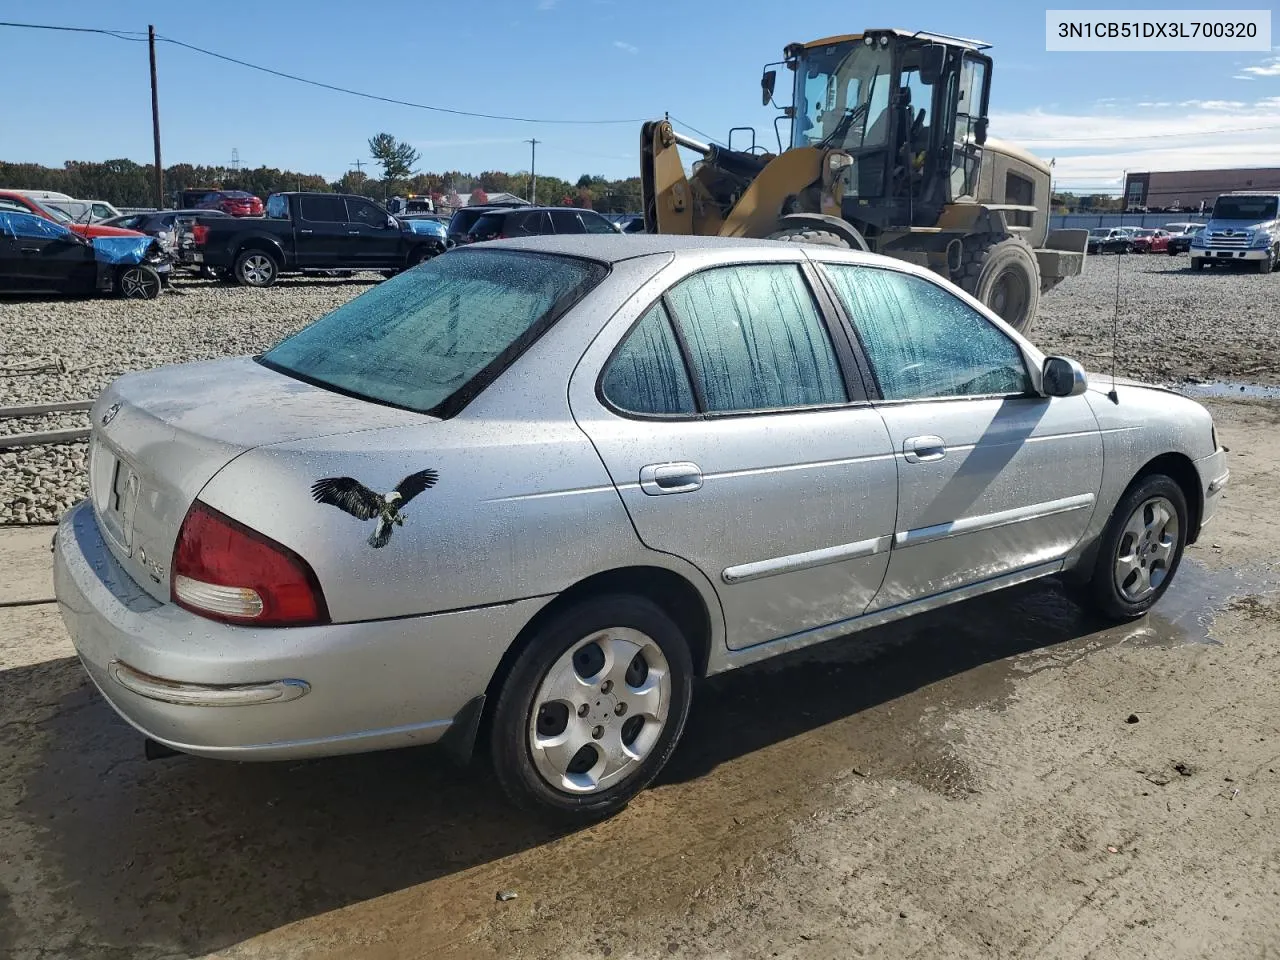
column 608, row 248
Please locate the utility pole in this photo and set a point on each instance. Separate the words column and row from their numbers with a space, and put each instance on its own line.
column 358, row 165
column 155, row 117
column 533, row 170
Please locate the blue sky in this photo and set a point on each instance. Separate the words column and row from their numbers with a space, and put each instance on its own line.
column 88, row 96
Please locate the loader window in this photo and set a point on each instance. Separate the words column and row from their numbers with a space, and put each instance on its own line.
column 841, row 90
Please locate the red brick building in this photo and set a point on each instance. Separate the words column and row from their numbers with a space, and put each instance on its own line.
column 1186, row 189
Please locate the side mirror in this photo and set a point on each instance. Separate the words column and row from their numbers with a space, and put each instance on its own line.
column 980, row 131
column 767, row 83
column 1062, row 377
column 932, row 60
column 393, row 223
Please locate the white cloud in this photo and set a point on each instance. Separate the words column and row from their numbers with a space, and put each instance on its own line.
column 1099, row 147
column 547, row 4
column 1240, row 76
column 629, row 48
column 1219, row 105
column 1268, row 68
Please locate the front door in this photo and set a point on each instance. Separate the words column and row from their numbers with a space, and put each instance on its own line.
column 971, row 111
column 38, row 254
column 739, row 440
column 993, row 479
column 375, row 241
column 321, row 232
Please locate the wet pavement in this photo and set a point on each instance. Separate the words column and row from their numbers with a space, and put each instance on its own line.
column 186, row 856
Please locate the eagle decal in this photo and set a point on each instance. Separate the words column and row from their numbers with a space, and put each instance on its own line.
column 353, row 497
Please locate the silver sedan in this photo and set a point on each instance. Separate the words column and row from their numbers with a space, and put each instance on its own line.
column 529, row 491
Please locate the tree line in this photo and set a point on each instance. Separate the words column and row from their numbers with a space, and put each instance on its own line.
column 125, row 183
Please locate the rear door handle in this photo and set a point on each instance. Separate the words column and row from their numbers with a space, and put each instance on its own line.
column 306, row 231
column 923, row 449
column 658, row 479
column 30, row 250
column 353, row 233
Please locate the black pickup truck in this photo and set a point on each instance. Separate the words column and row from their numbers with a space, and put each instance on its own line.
column 304, row 232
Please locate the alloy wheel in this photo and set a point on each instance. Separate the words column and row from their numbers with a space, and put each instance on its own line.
column 257, row 269
column 1146, row 549
column 139, row 284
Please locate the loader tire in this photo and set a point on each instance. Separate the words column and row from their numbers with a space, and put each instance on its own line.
column 817, row 238
column 1002, row 271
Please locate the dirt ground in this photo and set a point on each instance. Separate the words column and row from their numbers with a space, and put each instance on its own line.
column 969, row 785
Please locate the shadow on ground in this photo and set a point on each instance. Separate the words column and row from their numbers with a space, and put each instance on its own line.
column 195, row 855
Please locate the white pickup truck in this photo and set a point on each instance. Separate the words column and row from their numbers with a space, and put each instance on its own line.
column 1245, row 227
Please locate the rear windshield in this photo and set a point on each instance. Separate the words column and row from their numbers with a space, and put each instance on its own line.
column 430, row 339
column 1245, row 208
column 463, row 219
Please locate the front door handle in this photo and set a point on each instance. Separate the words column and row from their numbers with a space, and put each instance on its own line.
column 353, row 233
column 658, row 479
column 30, row 250
column 308, row 232
column 923, row 449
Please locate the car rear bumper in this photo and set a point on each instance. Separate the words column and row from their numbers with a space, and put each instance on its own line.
column 249, row 693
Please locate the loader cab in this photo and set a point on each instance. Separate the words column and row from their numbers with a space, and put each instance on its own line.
column 909, row 110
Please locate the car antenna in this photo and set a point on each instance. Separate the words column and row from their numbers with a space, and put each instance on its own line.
column 1115, row 329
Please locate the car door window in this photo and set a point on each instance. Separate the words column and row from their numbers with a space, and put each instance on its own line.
column 38, row 228
column 924, row 342
column 364, row 212
column 756, row 339
column 647, row 374
column 278, row 207
column 323, row 209
column 567, row 221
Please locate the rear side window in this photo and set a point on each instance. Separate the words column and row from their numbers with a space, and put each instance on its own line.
column 756, row 339
column 596, row 223
column 647, row 373
column 567, row 221
column 278, row 207
column 490, row 225
column 925, row 343
column 432, row 337
column 323, row 209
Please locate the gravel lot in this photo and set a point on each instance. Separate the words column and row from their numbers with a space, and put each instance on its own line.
column 1174, row 325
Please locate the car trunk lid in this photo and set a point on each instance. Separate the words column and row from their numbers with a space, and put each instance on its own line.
column 159, row 436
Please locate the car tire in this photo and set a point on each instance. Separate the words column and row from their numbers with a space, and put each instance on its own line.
column 1140, row 549
column 534, row 729
column 255, row 268
column 139, row 282
column 418, row 255
column 1197, row 263
column 1269, row 264
column 1002, row 272
column 811, row 236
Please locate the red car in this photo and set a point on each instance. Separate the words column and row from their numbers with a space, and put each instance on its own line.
column 12, row 201
column 1151, row 241
column 235, row 203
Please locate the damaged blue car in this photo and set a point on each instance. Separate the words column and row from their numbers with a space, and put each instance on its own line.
column 38, row 255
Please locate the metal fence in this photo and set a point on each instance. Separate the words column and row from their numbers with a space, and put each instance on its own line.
column 1077, row 221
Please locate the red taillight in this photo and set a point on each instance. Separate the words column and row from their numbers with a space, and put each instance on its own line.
column 201, row 233
column 225, row 571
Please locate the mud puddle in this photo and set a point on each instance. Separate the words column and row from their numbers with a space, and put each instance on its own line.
column 1223, row 389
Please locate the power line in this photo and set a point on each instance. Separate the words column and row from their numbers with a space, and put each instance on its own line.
column 318, row 83
column 137, row 36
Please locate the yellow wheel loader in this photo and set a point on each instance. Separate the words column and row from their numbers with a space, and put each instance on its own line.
column 888, row 152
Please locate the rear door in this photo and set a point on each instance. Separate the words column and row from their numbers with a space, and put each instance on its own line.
column 371, row 242
column 993, row 478
column 321, row 231
column 739, row 438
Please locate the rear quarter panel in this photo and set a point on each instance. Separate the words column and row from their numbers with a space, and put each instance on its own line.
column 523, row 507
